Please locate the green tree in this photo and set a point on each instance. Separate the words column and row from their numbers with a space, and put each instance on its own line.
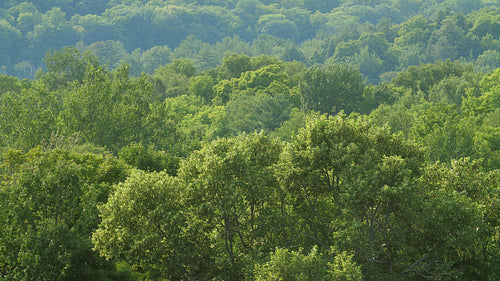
column 233, row 65
column 442, row 130
column 179, row 125
column 9, row 84
column 90, row 7
column 148, row 159
column 345, row 50
column 370, row 65
column 485, row 21
column 266, row 75
column 28, row 118
column 488, row 61
column 202, row 86
column 107, row 109
column 474, row 249
column 11, row 43
column 454, row 29
column 423, row 78
column 453, row 90
column 331, row 89
column 482, row 108
column 27, row 16
column 357, row 187
column 249, row 11
column 488, row 99
column 415, row 31
column 321, row 5
column 109, row 52
column 344, row 268
column 278, row 25
column 375, row 42
column 183, row 66
column 65, row 66
column 145, row 224
column 94, row 28
column 231, row 189
column 376, row 95
column 54, row 33
column 315, row 171
column 155, row 57
column 290, row 127
column 290, row 265
column 168, row 83
column 48, row 208
column 263, row 110
column 397, row 116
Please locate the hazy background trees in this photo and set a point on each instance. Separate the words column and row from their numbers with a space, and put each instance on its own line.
column 377, row 37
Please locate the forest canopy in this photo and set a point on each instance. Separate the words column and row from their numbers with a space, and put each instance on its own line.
column 379, row 37
column 250, row 140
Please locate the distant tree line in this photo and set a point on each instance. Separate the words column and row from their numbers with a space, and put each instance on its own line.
column 380, row 37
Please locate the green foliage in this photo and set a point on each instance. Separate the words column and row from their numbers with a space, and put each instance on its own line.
column 66, row 66
column 422, row 78
column 231, row 189
column 49, row 205
column 148, row 159
column 352, row 186
column 28, row 117
column 332, row 89
column 290, row 265
column 489, row 60
column 290, row 127
column 227, row 170
column 485, row 21
column 152, row 223
column 202, row 86
column 383, row 35
column 414, row 31
column 183, row 66
column 465, row 180
column 11, row 39
column 107, row 110
column 489, row 98
column 155, row 57
column 233, row 65
column 9, row 84
column 180, row 124
column 109, row 52
column 344, row 268
column 447, row 137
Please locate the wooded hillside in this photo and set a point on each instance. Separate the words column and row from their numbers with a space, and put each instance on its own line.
column 380, row 37
column 250, row 140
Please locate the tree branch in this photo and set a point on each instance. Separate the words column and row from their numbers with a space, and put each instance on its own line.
column 412, row 267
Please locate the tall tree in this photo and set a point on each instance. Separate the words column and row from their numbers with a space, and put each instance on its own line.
column 65, row 66
column 231, row 187
column 28, row 117
column 48, row 209
column 146, row 225
column 332, row 89
column 356, row 187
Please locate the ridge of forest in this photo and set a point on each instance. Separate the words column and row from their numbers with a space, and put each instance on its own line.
column 297, row 140
column 381, row 37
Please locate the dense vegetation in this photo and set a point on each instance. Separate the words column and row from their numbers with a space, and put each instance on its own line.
column 381, row 37
column 298, row 140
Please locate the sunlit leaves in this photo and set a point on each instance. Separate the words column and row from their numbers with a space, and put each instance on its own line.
column 144, row 224
column 48, row 206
